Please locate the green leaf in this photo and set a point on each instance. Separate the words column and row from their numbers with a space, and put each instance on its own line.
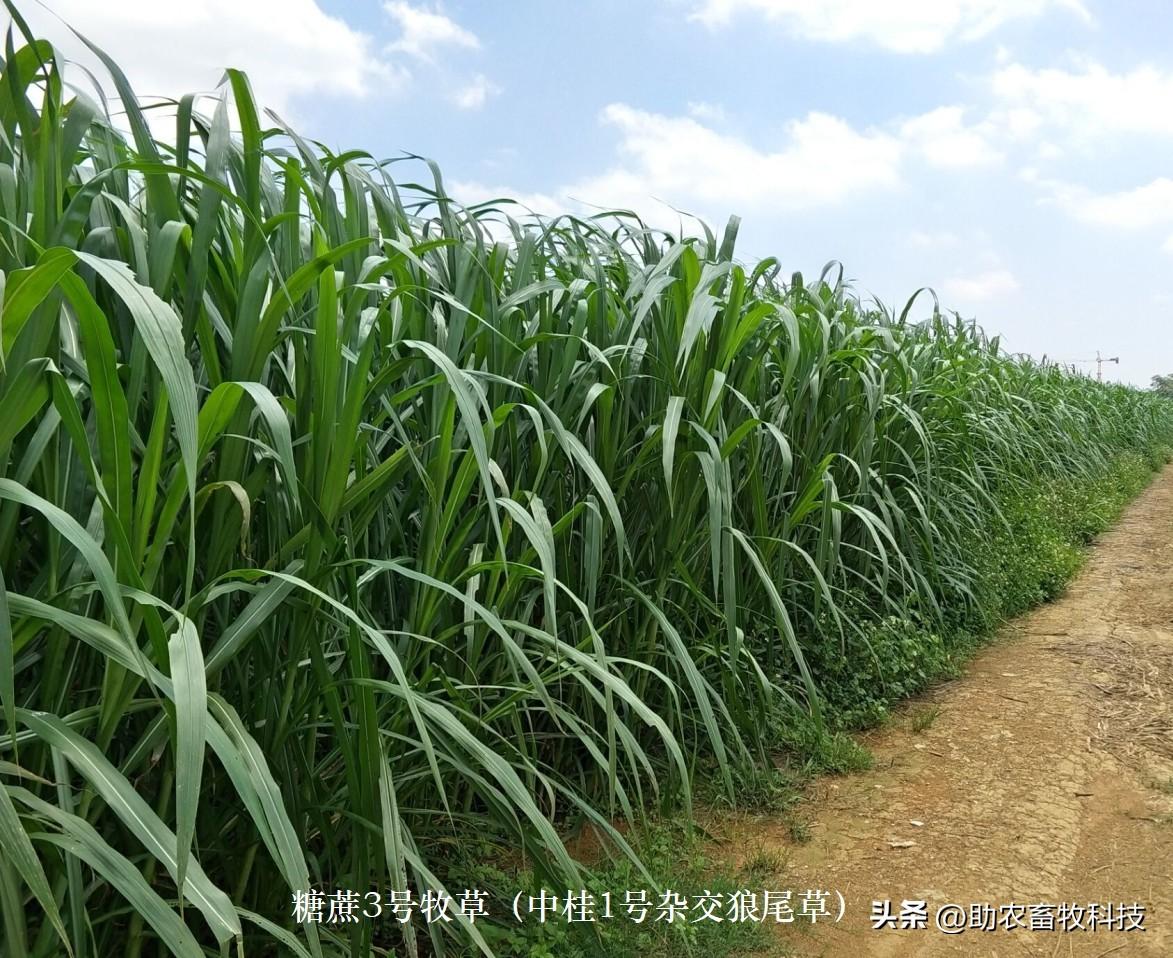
column 143, row 823
column 191, row 709
column 18, row 850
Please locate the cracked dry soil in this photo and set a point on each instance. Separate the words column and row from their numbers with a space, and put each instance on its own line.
column 1047, row 776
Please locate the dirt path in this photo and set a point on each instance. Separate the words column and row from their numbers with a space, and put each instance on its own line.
column 1047, row 776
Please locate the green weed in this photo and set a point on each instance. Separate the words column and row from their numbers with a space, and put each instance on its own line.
column 923, row 718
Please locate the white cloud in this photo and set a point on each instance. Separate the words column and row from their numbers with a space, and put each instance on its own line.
column 1167, row 246
column 289, row 48
column 1018, row 122
column 939, row 239
column 668, row 163
column 425, row 31
column 1138, row 208
column 903, row 26
column 982, row 286
column 943, row 139
column 1091, row 100
column 474, row 95
column 706, row 111
column 685, row 163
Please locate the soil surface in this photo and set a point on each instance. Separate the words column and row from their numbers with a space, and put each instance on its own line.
column 1044, row 775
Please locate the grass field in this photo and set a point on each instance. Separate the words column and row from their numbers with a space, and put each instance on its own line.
column 345, row 531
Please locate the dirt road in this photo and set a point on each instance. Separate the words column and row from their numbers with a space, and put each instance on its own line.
column 1045, row 777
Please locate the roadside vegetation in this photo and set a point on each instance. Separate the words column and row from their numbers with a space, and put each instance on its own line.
column 351, row 539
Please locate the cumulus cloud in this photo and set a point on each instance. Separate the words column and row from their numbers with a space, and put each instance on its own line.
column 664, row 163
column 425, row 35
column 474, row 94
column 1089, row 99
column 1139, row 208
column 685, row 163
column 981, row 286
column 703, row 110
column 289, row 48
column 937, row 239
column 425, row 31
column 944, row 140
column 902, row 26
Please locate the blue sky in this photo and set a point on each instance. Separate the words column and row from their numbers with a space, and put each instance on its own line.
column 1012, row 154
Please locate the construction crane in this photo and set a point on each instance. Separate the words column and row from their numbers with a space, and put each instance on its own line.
column 1100, row 360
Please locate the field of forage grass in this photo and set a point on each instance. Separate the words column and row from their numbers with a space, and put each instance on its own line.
column 339, row 523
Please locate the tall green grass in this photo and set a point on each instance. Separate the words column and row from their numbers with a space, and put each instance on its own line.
column 338, row 521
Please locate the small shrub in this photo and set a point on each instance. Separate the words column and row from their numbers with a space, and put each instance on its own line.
column 877, row 665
